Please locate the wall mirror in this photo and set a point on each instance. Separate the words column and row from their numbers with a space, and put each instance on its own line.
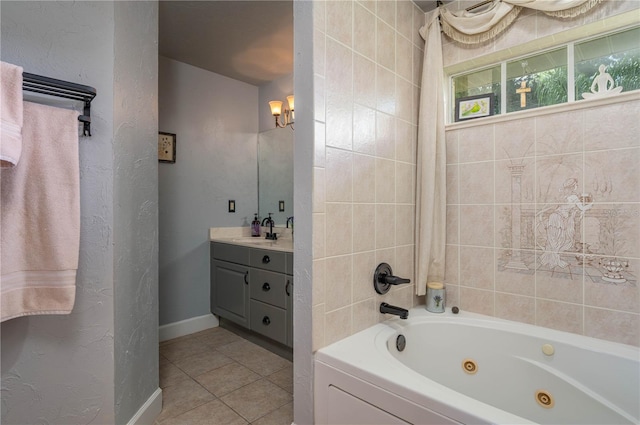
column 275, row 174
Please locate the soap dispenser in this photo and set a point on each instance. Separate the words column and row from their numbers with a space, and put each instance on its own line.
column 255, row 227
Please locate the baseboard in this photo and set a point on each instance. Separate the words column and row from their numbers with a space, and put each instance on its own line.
column 186, row 327
column 149, row 411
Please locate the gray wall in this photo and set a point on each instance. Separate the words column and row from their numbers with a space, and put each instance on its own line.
column 60, row 369
column 215, row 119
column 135, row 233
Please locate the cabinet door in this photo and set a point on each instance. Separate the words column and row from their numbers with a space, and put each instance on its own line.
column 289, row 292
column 230, row 291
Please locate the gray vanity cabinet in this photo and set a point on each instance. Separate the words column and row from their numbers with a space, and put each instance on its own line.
column 253, row 288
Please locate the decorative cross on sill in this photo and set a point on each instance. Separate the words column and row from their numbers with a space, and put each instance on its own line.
column 522, row 91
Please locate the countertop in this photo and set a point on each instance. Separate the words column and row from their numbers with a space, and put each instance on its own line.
column 241, row 236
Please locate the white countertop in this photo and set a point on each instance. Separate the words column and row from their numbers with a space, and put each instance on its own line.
column 241, row 236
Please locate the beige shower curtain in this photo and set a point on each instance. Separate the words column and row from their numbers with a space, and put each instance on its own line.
column 431, row 196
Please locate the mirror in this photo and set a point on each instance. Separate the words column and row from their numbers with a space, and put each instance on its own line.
column 275, row 174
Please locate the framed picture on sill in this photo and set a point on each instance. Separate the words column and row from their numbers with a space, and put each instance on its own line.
column 166, row 147
column 474, row 106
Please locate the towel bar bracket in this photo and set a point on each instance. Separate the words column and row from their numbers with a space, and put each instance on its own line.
column 59, row 88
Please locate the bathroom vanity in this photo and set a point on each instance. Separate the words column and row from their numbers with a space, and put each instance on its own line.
column 252, row 286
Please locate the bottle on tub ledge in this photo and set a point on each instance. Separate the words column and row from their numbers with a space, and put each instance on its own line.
column 255, row 227
column 435, row 297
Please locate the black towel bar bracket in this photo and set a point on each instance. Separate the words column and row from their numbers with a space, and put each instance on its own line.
column 59, row 88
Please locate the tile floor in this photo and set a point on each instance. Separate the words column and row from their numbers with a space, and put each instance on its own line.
column 216, row 377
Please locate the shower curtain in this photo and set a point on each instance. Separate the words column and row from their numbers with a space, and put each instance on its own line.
column 431, row 197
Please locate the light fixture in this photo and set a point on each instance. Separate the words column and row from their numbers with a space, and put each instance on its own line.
column 276, row 111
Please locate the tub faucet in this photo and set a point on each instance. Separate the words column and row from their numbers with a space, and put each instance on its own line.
column 270, row 235
column 392, row 309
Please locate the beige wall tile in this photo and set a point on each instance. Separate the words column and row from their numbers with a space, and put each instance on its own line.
column 364, row 81
column 338, row 324
column 452, row 296
column 477, row 183
column 319, row 230
column 364, row 226
column 418, row 22
column 624, row 296
column 404, row 18
column 515, row 272
column 319, row 156
column 405, row 224
column 452, row 184
column 451, row 138
column 612, row 230
column 339, row 229
column 451, row 265
column 339, row 20
column 476, row 300
column 403, row 266
column 515, row 181
column 555, row 177
column 453, row 224
column 369, row 4
column 338, row 283
column 476, row 144
column 385, row 45
column 339, row 175
column 558, row 315
column 319, row 279
column 624, row 131
column 405, row 183
column 560, row 284
column 364, row 314
column 385, row 136
column 319, row 104
column 476, row 267
column 404, row 58
column 559, row 133
column 319, row 16
column 515, row 307
column 364, row 31
column 319, row 52
column 364, row 264
column 406, row 141
column 477, row 225
column 418, row 60
column 404, row 99
column 385, row 225
column 385, row 91
column 515, row 139
column 364, row 179
column 617, row 183
column 318, row 320
column 385, row 181
column 386, row 11
column 364, row 129
column 612, row 325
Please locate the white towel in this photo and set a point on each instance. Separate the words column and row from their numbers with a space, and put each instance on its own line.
column 10, row 114
column 40, row 222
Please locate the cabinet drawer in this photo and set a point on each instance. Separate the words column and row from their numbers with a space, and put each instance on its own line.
column 269, row 321
column 228, row 252
column 269, row 287
column 268, row 260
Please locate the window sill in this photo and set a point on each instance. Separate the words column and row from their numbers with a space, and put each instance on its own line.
column 546, row 110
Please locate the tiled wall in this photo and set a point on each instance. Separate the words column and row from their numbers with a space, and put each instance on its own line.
column 520, row 243
column 367, row 68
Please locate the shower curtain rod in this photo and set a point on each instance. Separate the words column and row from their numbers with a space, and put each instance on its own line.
column 60, row 88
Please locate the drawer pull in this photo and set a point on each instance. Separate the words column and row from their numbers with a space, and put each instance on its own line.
column 286, row 288
column 266, row 287
column 266, row 321
column 266, row 259
column 246, row 276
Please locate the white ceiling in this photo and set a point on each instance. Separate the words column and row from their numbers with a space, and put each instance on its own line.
column 250, row 41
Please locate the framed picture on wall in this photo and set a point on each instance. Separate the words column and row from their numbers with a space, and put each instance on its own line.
column 474, row 106
column 166, row 147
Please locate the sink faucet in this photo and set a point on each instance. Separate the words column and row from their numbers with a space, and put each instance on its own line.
column 290, row 219
column 270, row 235
column 392, row 309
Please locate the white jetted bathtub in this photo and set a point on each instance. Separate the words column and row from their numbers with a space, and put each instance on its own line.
column 468, row 368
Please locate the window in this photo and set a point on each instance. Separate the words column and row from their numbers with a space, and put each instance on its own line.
column 544, row 79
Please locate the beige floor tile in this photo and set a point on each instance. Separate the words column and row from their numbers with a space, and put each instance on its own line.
column 257, row 399
column 281, row 416
column 212, row 413
column 171, row 374
column 174, row 340
column 283, row 378
column 217, row 337
column 183, row 348
column 227, row 378
column 254, row 357
column 182, row 397
column 162, row 360
column 202, row 362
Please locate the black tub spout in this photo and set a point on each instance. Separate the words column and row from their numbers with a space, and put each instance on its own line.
column 392, row 309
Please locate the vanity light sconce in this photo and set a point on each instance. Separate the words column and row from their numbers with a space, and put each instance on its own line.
column 288, row 116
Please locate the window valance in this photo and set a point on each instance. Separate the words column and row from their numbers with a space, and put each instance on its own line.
column 473, row 28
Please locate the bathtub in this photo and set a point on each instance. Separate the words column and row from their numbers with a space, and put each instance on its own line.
column 469, row 368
